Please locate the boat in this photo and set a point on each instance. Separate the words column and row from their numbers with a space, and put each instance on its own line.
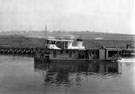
column 69, row 49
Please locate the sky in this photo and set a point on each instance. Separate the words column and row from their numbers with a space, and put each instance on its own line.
column 111, row 16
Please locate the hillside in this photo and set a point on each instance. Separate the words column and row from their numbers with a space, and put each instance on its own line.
column 76, row 34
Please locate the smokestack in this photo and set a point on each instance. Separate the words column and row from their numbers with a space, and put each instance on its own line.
column 80, row 43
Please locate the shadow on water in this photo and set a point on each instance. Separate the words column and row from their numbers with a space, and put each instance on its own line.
column 64, row 72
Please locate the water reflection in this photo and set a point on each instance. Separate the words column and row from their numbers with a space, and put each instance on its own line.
column 66, row 72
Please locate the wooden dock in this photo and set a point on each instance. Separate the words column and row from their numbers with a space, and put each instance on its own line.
column 33, row 51
column 128, row 52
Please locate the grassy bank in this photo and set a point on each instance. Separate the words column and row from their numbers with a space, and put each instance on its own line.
column 20, row 41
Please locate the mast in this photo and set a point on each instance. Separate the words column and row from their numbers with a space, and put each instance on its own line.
column 45, row 37
column 106, row 34
column 45, row 30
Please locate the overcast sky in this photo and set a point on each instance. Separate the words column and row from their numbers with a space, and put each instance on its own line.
column 92, row 15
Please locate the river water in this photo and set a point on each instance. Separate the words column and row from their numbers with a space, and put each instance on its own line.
column 21, row 75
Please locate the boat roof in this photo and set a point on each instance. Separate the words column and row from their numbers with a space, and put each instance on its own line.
column 114, row 49
column 53, row 39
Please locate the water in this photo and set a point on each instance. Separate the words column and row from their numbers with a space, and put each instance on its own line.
column 21, row 75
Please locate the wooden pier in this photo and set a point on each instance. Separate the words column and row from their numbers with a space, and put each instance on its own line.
column 18, row 51
column 128, row 52
column 33, row 51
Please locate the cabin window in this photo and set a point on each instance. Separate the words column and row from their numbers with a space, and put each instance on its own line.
column 47, row 41
column 53, row 42
column 120, row 53
column 70, row 53
column 66, row 51
column 73, row 51
column 93, row 52
column 66, row 45
column 61, row 51
column 54, row 53
column 81, row 55
column 112, row 53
